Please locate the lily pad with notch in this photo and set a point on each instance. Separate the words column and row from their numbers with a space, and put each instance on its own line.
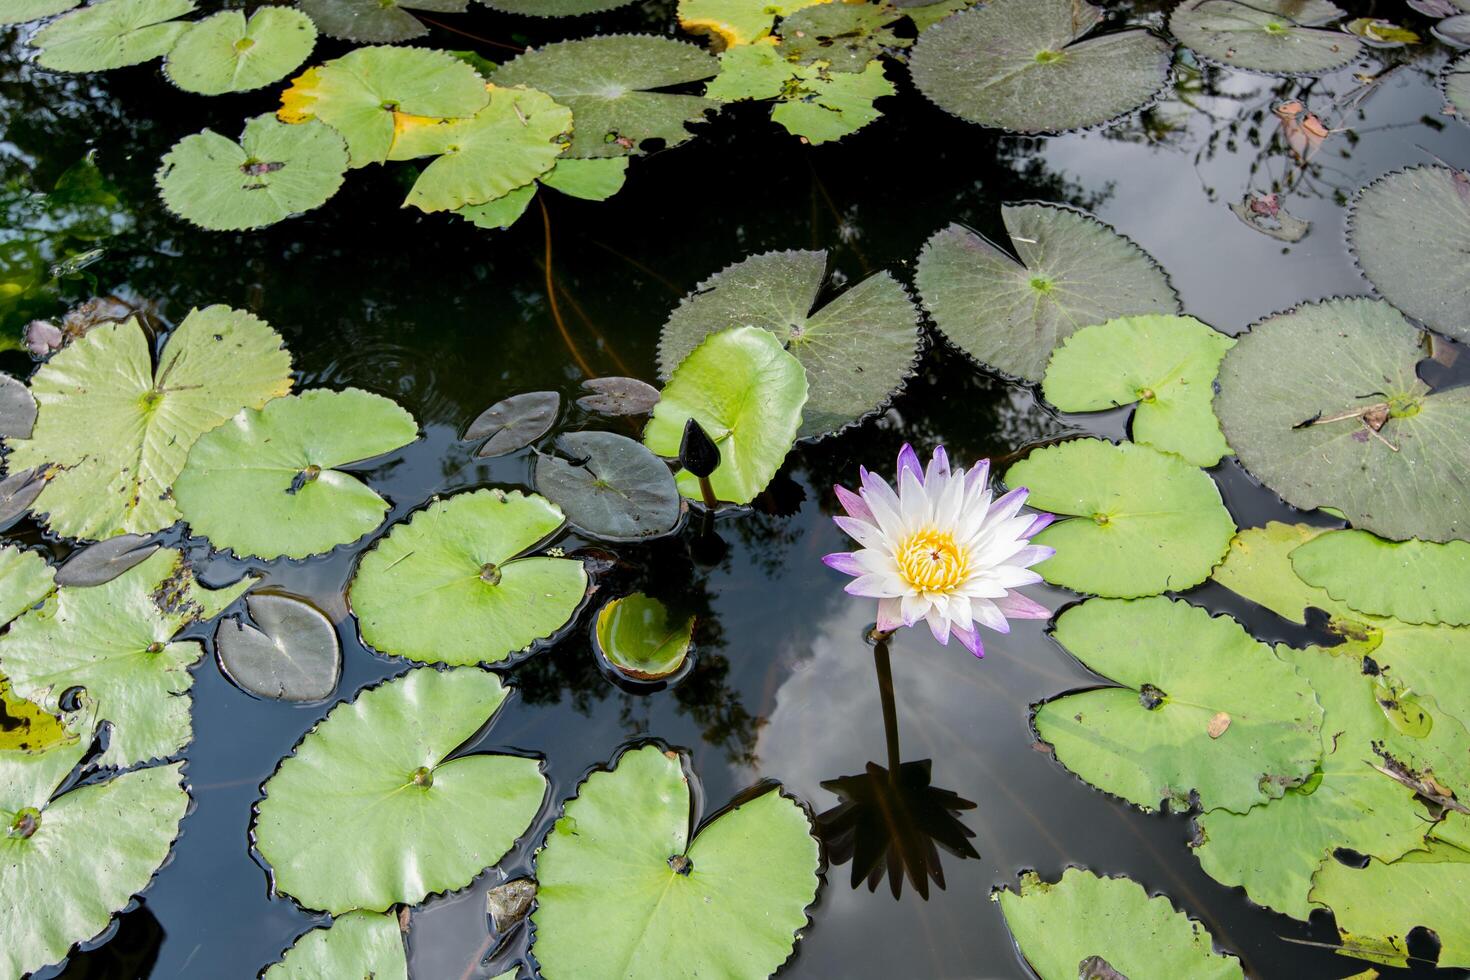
column 1413, row 581
column 747, row 393
column 641, row 639
column 1009, row 314
column 1107, row 928
column 1361, row 432
column 288, row 652
column 618, row 396
column 616, row 86
column 458, row 583
column 25, row 11
column 1138, row 522
column 17, row 492
column 1155, row 736
column 356, row 944
column 25, row 579
column 514, row 423
column 267, row 486
column 730, row 902
column 111, row 34
column 102, row 562
column 857, row 350
column 610, row 486
column 376, row 21
column 1285, row 37
column 375, row 807
column 227, row 53
column 1164, row 364
column 1029, row 66
column 813, row 101
column 113, row 432
column 1410, row 231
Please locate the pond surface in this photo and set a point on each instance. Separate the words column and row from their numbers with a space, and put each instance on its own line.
column 447, row 319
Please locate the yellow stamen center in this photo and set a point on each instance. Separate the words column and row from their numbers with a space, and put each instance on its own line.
column 931, row 561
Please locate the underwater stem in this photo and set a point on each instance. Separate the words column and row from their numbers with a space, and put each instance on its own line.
column 561, row 325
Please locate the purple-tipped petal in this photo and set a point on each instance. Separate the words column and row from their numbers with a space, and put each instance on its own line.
column 1038, row 523
column 909, row 460
column 854, row 505
column 938, row 468
column 971, row 640
column 1007, row 506
column 862, row 532
column 845, row 562
column 1031, row 555
column 1016, row 606
column 890, row 615
column 979, row 475
column 939, row 626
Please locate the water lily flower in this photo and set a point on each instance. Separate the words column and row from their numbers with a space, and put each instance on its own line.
column 941, row 549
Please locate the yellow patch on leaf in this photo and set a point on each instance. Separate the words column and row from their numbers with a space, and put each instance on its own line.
column 733, row 22
column 298, row 100
column 27, row 727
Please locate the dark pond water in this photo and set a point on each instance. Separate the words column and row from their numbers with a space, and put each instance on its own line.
column 447, row 319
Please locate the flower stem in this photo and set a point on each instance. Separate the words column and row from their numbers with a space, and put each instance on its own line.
column 885, row 696
column 708, row 492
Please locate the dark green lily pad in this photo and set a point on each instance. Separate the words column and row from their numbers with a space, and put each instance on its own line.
column 636, row 635
column 24, row 11
column 105, row 561
column 847, row 36
column 610, row 486
column 514, row 423
column 813, row 101
column 17, row 409
column 289, row 652
column 459, row 584
column 1359, row 432
column 375, row 21
column 357, row 944
column 17, row 492
column 857, row 350
column 276, row 171
column 226, row 53
column 1286, row 37
column 554, row 8
column 1412, row 581
column 1073, row 271
column 1141, row 521
column 1023, row 65
column 265, row 485
column 621, row 882
column 111, row 34
column 618, row 396
column 613, row 86
column 1411, row 233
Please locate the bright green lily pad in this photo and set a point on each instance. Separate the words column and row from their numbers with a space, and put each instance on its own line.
column 111, row 34
column 361, row 93
column 638, row 637
column 1023, row 65
column 509, row 143
column 747, row 393
column 1411, row 233
column 1201, row 707
column 554, row 8
column 24, row 11
column 1413, row 581
column 1456, row 84
column 370, row 811
column 25, row 579
column 857, row 350
column 116, row 432
column 591, row 180
column 276, row 171
column 265, row 485
column 226, row 53
column 456, row 584
column 502, row 212
column 1141, row 521
column 1083, row 915
column 375, row 21
column 814, row 101
column 116, row 642
column 613, row 86
column 847, row 36
column 1073, row 271
column 1166, row 364
column 610, row 486
column 358, row 944
column 1310, row 436
column 65, row 880
column 728, row 903
column 1286, row 37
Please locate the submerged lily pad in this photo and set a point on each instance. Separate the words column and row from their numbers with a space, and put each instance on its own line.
column 1085, row 916
column 17, row 492
column 1023, row 65
column 17, row 409
column 814, row 101
column 747, row 393
column 857, row 349
column 610, row 486
column 102, row 562
column 1378, row 905
column 265, row 485
column 115, row 641
column 1284, row 37
column 1073, row 271
column 1411, row 233
column 1166, row 364
column 847, row 36
column 276, row 171
column 289, row 653
column 1359, row 432
column 25, row 579
column 226, row 53
column 1141, row 521
column 1413, row 581
column 360, row 94
column 728, row 903
column 64, row 878
column 736, row 22
column 358, row 944
column 618, row 396
column 370, row 811
column 638, row 638
column 1156, row 736
column 613, row 86
column 515, row 422
column 116, row 432
column 456, row 584
column 24, row 11
column 111, row 34
column 375, row 21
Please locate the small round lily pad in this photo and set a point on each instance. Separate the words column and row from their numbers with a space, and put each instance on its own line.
column 1286, row 37
column 227, row 53
column 274, row 172
column 640, row 639
column 111, row 34
column 375, row 21
column 618, row 396
column 514, row 423
column 1412, row 581
column 610, row 486
column 288, row 652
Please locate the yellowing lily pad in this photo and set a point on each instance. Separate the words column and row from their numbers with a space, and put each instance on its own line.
column 735, row 22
